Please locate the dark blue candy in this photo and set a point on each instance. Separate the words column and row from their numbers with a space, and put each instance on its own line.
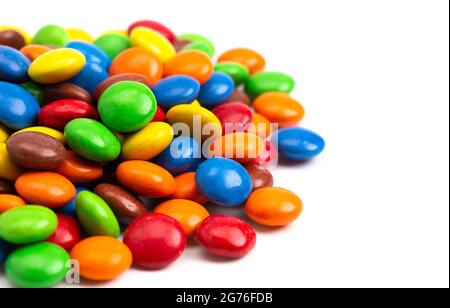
column 18, row 108
column 176, row 90
column 183, row 154
column 69, row 209
column 299, row 144
column 91, row 52
column 90, row 77
column 13, row 65
column 216, row 90
column 224, row 182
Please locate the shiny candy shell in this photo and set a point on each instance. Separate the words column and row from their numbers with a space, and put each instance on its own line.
column 12, row 39
column 242, row 147
column 13, row 65
column 265, row 82
column 78, row 169
column 176, row 90
column 113, row 44
column 8, row 202
column 235, row 117
column 154, row 42
column 216, row 90
column 63, row 91
column 90, row 76
column 156, row 26
column 299, row 144
column 32, row 52
column 260, row 177
column 51, row 35
column 254, row 61
column 192, row 63
column 57, row 114
column 44, row 130
column 237, row 71
column 187, row 189
column 101, row 88
column 67, row 233
column 91, row 52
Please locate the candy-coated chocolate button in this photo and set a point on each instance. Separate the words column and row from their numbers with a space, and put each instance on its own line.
column 192, row 63
column 187, row 189
column 101, row 88
column 13, row 65
column 154, row 42
column 251, row 59
column 242, row 147
column 67, row 233
column 91, row 52
column 260, row 177
column 12, row 39
column 78, row 169
column 299, row 144
column 216, row 90
column 76, row 34
column 63, row 91
column 113, row 44
column 44, row 130
column 265, row 82
column 176, row 90
column 24, row 34
column 90, row 76
column 51, row 35
column 198, row 42
column 57, row 114
column 32, row 52
column 279, row 108
column 237, row 71
column 235, row 117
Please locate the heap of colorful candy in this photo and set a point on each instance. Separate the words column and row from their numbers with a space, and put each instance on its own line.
column 136, row 130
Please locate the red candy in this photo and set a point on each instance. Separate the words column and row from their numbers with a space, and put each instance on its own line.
column 155, row 26
column 235, row 117
column 268, row 157
column 57, row 114
column 155, row 240
column 67, row 234
column 160, row 115
column 226, row 236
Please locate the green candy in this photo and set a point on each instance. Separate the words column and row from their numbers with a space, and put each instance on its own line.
column 92, row 140
column 28, row 224
column 113, row 44
column 269, row 82
column 127, row 106
column 42, row 265
column 199, row 42
column 96, row 216
column 36, row 90
column 200, row 46
column 237, row 71
column 51, row 35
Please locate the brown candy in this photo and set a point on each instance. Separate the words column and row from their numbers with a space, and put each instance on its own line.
column 36, row 151
column 62, row 91
column 240, row 97
column 12, row 39
column 125, row 206
column 179, row 44
column 5, row 187
column 260, row 177
column 118, row 78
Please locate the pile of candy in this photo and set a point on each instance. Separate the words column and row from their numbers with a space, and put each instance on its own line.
column 137, row 130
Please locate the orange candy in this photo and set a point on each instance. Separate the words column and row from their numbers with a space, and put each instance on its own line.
column 146, row 179
column 102, row 258
column 242, row 147
column 32, row 52
column 78, row 169
column 279, row 108
column 261, row 126
column 192, row 63
column 139, row 61
column 45, row 188
column 247, row 57
column 273, row 207
column 186, row 188
column 8, row 202
column 188, row 213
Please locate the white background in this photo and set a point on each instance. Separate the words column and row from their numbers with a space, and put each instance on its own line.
column 373, row 76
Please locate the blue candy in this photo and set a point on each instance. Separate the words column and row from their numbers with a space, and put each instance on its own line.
column 13, row 65
column 176, row 90
column 91, row 52
column 183, row 155
column 69, row 209
column 299, row 144
column 216, row 90
column 224, row 182
column 18, row 108
column 90, row 76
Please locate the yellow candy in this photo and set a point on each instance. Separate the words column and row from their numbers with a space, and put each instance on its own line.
column 154, row 42
column 45, row 130
column 188, row 113
column 25, row 35
column 8, row 169
column 148, row 142
column 57, row 66
column 76, row 34
column 3, row 134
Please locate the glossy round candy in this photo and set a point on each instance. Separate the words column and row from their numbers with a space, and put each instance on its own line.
column 261, row 83
column 57, row 66
column 154, row 42
column 57, row 114
column 146, row 179
column 279, row 108
column 226, row 236
column 65, row 91
column 67, row 233
column 299, row 144
column 36, row 151
column 92, row 140
column 113, row 44
column 91, row 52
column 32, row 52
column 44, row 130
column 198, row 42
column 51, row 35
column 155, row 240
column 8, row 202
column 273, row 207
column 127, row 106
column 27, row 224
column 176, row 90
column 235, row 117
column 90, row 76
column 242, row 147
column 8, row 169
column 12, row 39
column 187, row 189
column 19, row 109
column 138, row 61
column 192, row 63
column 101, row 88
column 156, row 26
column 251, row 59
column 260, row 177
column 102, row 258
column 76, row 34
column 125, row 206
column 216, row 90
column 224, row 182
column 147, row 143
column 24, row 34
column 42, row 265
column 182, row 154
column 45, row 188
column 13, row 65
column 237, row 71
column 78, row 169
column 95, row 215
